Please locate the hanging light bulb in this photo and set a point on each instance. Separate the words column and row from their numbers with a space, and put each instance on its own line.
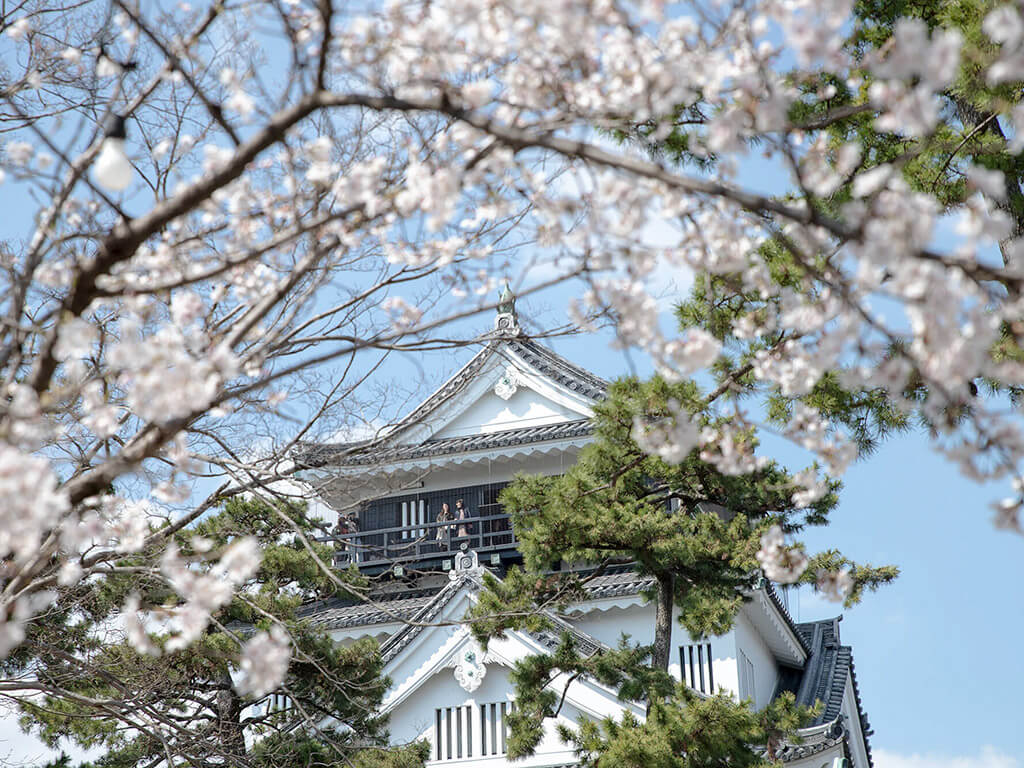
column 112, row 168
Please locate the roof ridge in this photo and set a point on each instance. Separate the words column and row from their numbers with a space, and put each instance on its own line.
column 544, row 360
column 553, row 357
column 414, row 625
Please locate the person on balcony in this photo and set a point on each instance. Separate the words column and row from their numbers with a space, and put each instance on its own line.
column 444, row 531
column 345, row 529
column 462, row 514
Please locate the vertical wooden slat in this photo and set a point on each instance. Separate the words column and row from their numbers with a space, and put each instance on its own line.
column 448, row 731
column 483, row 730
column 711, row 673
column 682, row 664
column 693, row 680
column 458, row 732
column 503, row 726
column 700, row 666
column 437, row 733
column 469, row 731
column 494, row 729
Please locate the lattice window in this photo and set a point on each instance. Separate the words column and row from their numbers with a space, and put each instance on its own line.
column 278, row 702
column 493, row 728
column 453, row 733
column 748, row 688
column 696, row 667
column 422, row 507
column 461, row 731
column 414, row 512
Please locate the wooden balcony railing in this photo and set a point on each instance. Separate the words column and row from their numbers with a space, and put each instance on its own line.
column 423, row 541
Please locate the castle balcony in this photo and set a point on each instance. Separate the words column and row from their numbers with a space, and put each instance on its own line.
column 404, row 531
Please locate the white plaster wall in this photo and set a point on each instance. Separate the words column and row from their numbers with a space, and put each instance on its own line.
column 766, row 671
column 636, row 619
column 607, row 626
column 414, row 718
column 723, row 650
column 852, row 721
column 490, row 413
column 821, row 760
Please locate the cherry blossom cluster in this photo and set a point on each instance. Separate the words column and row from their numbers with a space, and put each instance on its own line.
column 781, row 563
column 415, row 149
column 202, row 593
column 671, row 438
column 264, row 664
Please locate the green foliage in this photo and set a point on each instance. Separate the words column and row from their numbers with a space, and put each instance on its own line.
column 96, row 680
column 689, row 731
column 613, row 508
column 866, row 577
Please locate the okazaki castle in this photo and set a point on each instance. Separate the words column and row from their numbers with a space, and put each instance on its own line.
column 516, row 406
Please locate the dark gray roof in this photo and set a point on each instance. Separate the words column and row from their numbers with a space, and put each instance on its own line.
column 377, row 611
column 403, row 606
column 430, row 610
column 347, row 454
column 826, row 672
column 380, row 449
column 618, row 585
column 812, row 742
column 553, row 365
column 394, row 645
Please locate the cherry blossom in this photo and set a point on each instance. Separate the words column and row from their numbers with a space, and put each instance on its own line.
column 834, row 585
column 781, row 563
column 272, row 224
column 264, row 664
column 671, row 438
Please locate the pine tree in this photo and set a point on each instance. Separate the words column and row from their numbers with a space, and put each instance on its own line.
column 969, row 134
column 181, row 707
column 691, row 528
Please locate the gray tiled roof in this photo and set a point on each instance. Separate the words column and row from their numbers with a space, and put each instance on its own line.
column 617, row 585
column 378, row 611
column 381, row 449
column 395, row 644
column 347, row 454
column 555, row 366
column 812, row 741
column 826, row 672
column 382, row 609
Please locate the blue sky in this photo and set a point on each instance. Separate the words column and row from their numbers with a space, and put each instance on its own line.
column 938, row 653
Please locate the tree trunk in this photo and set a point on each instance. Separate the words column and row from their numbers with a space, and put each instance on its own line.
column 229, row 720
column 663, row 622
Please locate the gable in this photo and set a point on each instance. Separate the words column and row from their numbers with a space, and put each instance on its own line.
column 462, row 725
column 523, row 408
column 429, row 650
column 511, row 384
column 508, row 383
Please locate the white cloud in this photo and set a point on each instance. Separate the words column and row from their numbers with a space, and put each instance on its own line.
column 987, row 757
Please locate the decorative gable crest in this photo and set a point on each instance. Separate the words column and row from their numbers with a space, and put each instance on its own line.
column 466, row 563
column 508, row 384
column 470, row 668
